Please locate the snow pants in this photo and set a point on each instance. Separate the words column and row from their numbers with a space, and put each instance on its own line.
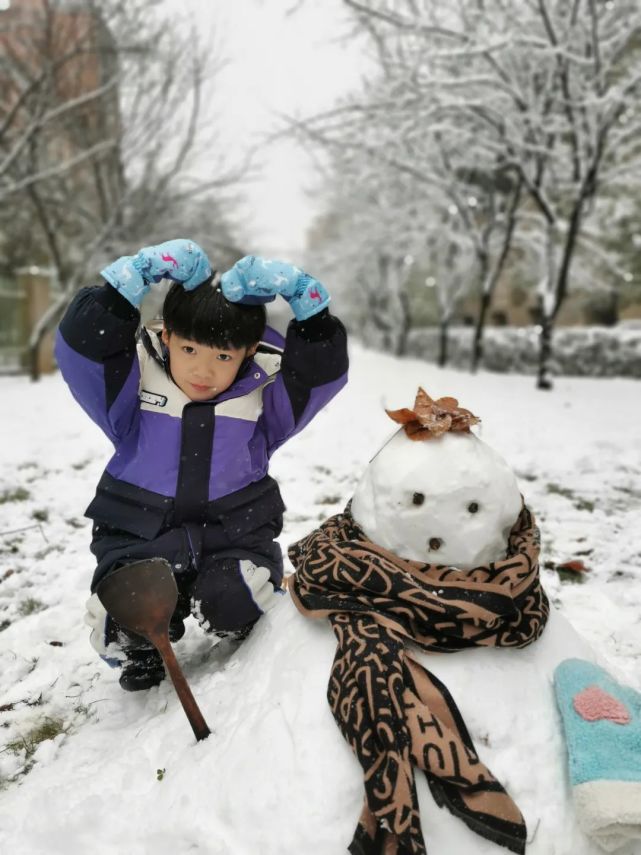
column 226, row 590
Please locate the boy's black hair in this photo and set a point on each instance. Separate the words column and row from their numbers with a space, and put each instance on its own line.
column 205, row 316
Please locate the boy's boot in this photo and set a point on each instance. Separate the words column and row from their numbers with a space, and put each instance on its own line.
column 142, row 669
column 143, row 666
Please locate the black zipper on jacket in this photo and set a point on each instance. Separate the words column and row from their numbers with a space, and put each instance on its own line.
column 194, row 469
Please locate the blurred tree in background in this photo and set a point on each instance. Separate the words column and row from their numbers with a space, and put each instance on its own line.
column 513, row 128
column 101, row 119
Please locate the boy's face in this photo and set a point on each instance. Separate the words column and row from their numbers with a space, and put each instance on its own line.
column 203, row 372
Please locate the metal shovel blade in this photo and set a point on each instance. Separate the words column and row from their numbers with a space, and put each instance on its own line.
column 142, row 597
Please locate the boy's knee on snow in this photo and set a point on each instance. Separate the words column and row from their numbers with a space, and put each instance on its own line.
column 230, row 594
column 260, row 586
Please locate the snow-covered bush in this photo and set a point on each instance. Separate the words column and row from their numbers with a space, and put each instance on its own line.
column 581, row 351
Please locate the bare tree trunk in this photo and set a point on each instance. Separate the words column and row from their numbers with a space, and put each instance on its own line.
column 543, row 380
column 33, row 359
column 405, row 322
column 377, row 330
column 394, row 303
column 562, row 279
column 36, row 341
column 477, row 344
column 443, row 342
column 489, row 284
column 46, row 323
column 548, row 304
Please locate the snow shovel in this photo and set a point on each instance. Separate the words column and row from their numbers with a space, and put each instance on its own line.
column 142, row 597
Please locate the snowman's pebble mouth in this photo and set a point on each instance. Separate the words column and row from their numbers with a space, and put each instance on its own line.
column 434, row 543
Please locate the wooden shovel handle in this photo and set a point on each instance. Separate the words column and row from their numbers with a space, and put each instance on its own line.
column 196, row 720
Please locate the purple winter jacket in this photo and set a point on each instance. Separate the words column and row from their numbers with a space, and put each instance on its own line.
column 179, row 462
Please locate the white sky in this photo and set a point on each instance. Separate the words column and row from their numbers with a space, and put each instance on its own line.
column 284, row 56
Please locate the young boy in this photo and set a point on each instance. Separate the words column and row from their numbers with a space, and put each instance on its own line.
column 194, row 414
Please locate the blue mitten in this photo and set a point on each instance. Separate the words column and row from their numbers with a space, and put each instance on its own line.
column 258, row 280
column 602, row 724
column 181, row 260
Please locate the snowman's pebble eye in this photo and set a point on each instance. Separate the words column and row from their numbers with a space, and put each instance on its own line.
column 473, row 507
column 435, row 543
column 418, row 498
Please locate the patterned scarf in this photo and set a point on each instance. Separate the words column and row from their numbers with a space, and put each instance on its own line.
column 391, row 710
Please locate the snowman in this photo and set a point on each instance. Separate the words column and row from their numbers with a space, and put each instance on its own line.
column 436, row 494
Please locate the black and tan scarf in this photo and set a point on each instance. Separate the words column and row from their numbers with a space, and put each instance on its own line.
column 391, row 710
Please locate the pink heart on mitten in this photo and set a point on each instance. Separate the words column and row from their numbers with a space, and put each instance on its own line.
column 593, row 704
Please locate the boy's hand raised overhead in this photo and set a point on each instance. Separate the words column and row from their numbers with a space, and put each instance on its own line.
column 258, row 280
column 181, row 260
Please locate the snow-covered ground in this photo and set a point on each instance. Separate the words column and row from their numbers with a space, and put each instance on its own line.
column 123, row 773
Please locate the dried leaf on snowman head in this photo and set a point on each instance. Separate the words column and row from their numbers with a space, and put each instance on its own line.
column 430, row 419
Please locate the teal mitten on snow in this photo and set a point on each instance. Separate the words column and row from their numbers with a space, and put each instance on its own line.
column 602, row 724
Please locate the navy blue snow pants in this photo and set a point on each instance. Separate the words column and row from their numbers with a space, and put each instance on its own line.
column 227, row 587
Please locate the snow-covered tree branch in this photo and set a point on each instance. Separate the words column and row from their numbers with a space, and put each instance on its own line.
column 98, row 130
column 528, row 109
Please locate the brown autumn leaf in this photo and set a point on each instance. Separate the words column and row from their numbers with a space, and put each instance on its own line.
column 403, row 416
column 430, row 418
column 575, row 565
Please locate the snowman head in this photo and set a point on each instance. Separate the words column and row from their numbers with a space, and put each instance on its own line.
column 436, row 493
